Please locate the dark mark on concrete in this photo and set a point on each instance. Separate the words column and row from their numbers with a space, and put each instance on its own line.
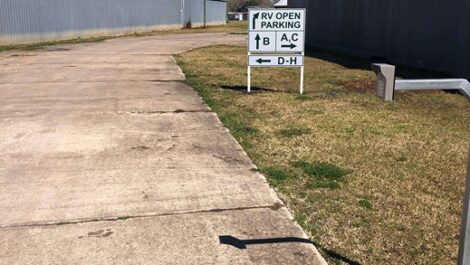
column 100, row 233
column 164, row 112
column 140, row 148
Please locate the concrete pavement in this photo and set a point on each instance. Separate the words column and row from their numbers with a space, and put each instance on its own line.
column 107, row 157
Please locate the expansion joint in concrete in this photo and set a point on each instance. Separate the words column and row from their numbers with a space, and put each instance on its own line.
column 274, row 207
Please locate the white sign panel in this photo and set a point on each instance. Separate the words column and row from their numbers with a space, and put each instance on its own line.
column 276, row 39
column 275, row 31
column 262, row 41
column 277, row 19
column 275, row 42
column 276, row 60
column 290, row 41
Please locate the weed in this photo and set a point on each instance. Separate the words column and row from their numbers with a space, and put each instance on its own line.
column 322, row 175
column 303, row 97
column 401, row 159
column 365, row 203
column 237, row 127
column 362, row 222
column 277, row 174
column 321, row 170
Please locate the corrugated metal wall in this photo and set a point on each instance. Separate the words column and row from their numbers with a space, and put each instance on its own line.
column 427, row 34
column 214, row 12
column 25, row 21
column 194, row 12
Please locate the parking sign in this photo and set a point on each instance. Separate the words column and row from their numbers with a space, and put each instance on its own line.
column 274, row 31
column 276, row 38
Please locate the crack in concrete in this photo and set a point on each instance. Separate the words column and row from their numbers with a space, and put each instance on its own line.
column 137, row 112
column 276, row 206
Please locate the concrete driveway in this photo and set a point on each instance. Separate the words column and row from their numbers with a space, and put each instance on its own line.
column 107, row 157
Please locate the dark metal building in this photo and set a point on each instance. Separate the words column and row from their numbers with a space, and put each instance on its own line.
column 426, row 34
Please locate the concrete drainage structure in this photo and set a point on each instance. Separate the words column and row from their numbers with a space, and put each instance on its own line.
column 387, row 83
column 427, row 84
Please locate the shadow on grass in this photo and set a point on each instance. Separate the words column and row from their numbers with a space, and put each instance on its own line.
column 242, row 244
column 363, row 63
column 335, row 256
column 244, row 89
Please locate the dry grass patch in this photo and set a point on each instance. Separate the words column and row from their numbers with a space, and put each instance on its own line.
column 374, row 182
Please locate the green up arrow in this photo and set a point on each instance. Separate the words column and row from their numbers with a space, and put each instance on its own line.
column 255, row 17
column 261, row 61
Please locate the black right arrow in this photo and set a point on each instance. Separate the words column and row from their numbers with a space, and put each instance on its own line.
column 261, row 61
column 258, row 38
column 291, row 46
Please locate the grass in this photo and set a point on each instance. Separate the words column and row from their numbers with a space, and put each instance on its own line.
column 365, row 203
column 293, row 132
column 321, row 170
column 371, row 182
column 321, row 174
column 278, row 174
column 123, row 218
column 232, row 27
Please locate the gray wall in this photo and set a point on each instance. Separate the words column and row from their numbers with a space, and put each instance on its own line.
column 194, row 12
column 427, row 34
column 25, row 21
column 217, row 12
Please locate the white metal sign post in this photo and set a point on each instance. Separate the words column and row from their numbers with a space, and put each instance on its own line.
column 276, row 39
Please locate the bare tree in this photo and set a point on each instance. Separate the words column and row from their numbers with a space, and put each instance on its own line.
column 242, row 5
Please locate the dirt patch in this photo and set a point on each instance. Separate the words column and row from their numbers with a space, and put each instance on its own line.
column 359, row 86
